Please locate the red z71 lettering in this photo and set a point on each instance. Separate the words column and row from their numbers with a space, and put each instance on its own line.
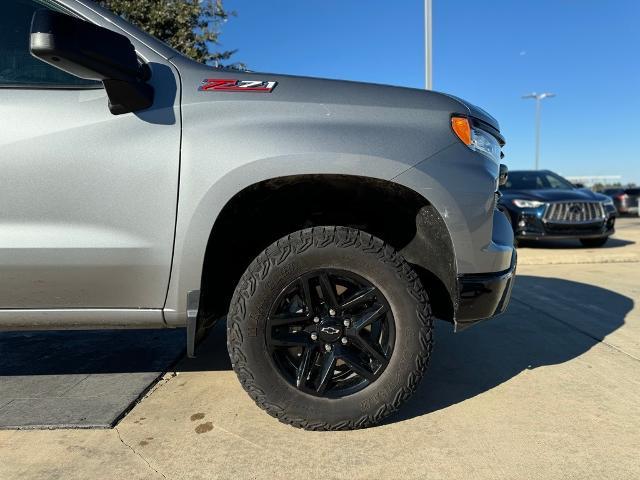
column 234, row 85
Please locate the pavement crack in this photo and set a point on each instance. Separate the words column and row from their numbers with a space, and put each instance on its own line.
column 2, row 405
column 240, row 437
column 573, row 327
column 63, row 394
column 137, row 453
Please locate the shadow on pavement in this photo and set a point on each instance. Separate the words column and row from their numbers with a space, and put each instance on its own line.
column 549, row 321
column 211, row 354
column 89, row 351
column 83, row 352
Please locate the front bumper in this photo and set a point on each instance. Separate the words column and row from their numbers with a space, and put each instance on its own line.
column 549, row 232
column 484, row 295
column 529, row 224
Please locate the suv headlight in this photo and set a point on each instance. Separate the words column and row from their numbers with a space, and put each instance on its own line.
column 476, row 138
column 527, row 203
column 609, row 201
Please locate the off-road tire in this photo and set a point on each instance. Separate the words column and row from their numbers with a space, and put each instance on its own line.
column 593, row 242
column 329, row 247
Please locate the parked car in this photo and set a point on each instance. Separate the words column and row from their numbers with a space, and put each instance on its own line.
column 625, row 200
column 332, row 220
column 543, row 205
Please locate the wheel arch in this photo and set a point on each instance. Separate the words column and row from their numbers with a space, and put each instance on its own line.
column 264, row 211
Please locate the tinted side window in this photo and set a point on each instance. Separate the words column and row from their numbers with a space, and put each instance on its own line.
column 524, row 181
column 17, row 66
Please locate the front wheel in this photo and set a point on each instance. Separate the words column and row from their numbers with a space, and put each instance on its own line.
column 330, row 329
column 593, row 242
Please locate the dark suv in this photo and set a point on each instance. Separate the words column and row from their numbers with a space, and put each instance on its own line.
column 541, row 204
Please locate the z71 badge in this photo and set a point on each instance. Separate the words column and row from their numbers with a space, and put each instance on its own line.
column 232, row 85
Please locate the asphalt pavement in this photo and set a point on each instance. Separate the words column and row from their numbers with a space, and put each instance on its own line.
column 80, row 379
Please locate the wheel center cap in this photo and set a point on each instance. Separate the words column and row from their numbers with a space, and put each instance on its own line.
column 330, row 330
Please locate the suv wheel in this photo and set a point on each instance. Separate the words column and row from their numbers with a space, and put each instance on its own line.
column 330, row 329
column 593, row 242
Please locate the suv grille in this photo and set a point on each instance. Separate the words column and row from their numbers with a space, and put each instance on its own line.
column 574, row 212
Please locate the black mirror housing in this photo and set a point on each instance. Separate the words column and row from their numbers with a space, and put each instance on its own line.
column 95, row 53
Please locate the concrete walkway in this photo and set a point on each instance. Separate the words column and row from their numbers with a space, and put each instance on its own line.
column 549, row 390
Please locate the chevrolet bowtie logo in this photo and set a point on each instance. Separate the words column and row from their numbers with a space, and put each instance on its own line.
column 329, row 330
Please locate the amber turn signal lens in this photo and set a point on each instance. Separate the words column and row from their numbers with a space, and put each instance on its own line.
column 462, row 129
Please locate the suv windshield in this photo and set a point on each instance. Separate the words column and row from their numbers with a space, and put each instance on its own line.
column 532, row 180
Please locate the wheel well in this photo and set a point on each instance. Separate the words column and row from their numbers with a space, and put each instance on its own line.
column 264, row 212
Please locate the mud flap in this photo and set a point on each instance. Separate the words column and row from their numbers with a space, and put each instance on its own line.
column 193, row 301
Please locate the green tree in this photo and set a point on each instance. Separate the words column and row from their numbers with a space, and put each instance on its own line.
column 190, row 26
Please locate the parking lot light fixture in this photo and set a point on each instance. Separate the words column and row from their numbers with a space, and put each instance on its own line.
column 428, row 45
column 538, row 97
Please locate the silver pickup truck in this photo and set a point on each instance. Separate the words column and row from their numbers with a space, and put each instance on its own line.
column 331, row 222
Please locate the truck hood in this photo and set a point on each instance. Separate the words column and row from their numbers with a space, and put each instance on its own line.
column 292, row 88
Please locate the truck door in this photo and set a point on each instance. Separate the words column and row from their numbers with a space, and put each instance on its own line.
column 87, row 199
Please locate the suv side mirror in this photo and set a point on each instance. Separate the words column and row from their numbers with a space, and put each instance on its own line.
column 95, row 53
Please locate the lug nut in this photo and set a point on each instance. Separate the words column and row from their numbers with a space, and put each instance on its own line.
column 314, row 336
column 344, row 340
column 327, row 347
column 316, row 319
column 346, row 323
column 332, row 312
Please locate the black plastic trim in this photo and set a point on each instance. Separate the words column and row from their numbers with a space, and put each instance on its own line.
column 569, row 236
column 92, row 52
column 484, row 295
column 432, row 250
column 489, row 129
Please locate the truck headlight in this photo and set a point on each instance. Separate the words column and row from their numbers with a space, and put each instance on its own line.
column 527, row 203
column 485, row 143
column 476, row 138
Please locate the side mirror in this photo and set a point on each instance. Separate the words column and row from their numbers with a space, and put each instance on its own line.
column 95, row 53
column 504, row 174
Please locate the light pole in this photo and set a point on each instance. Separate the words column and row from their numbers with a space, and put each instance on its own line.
column 428, row 59
column 538, row 97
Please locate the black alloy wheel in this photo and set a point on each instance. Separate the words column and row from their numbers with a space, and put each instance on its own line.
column 330, row 333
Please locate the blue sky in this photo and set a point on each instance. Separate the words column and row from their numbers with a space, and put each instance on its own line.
column 488, row 52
